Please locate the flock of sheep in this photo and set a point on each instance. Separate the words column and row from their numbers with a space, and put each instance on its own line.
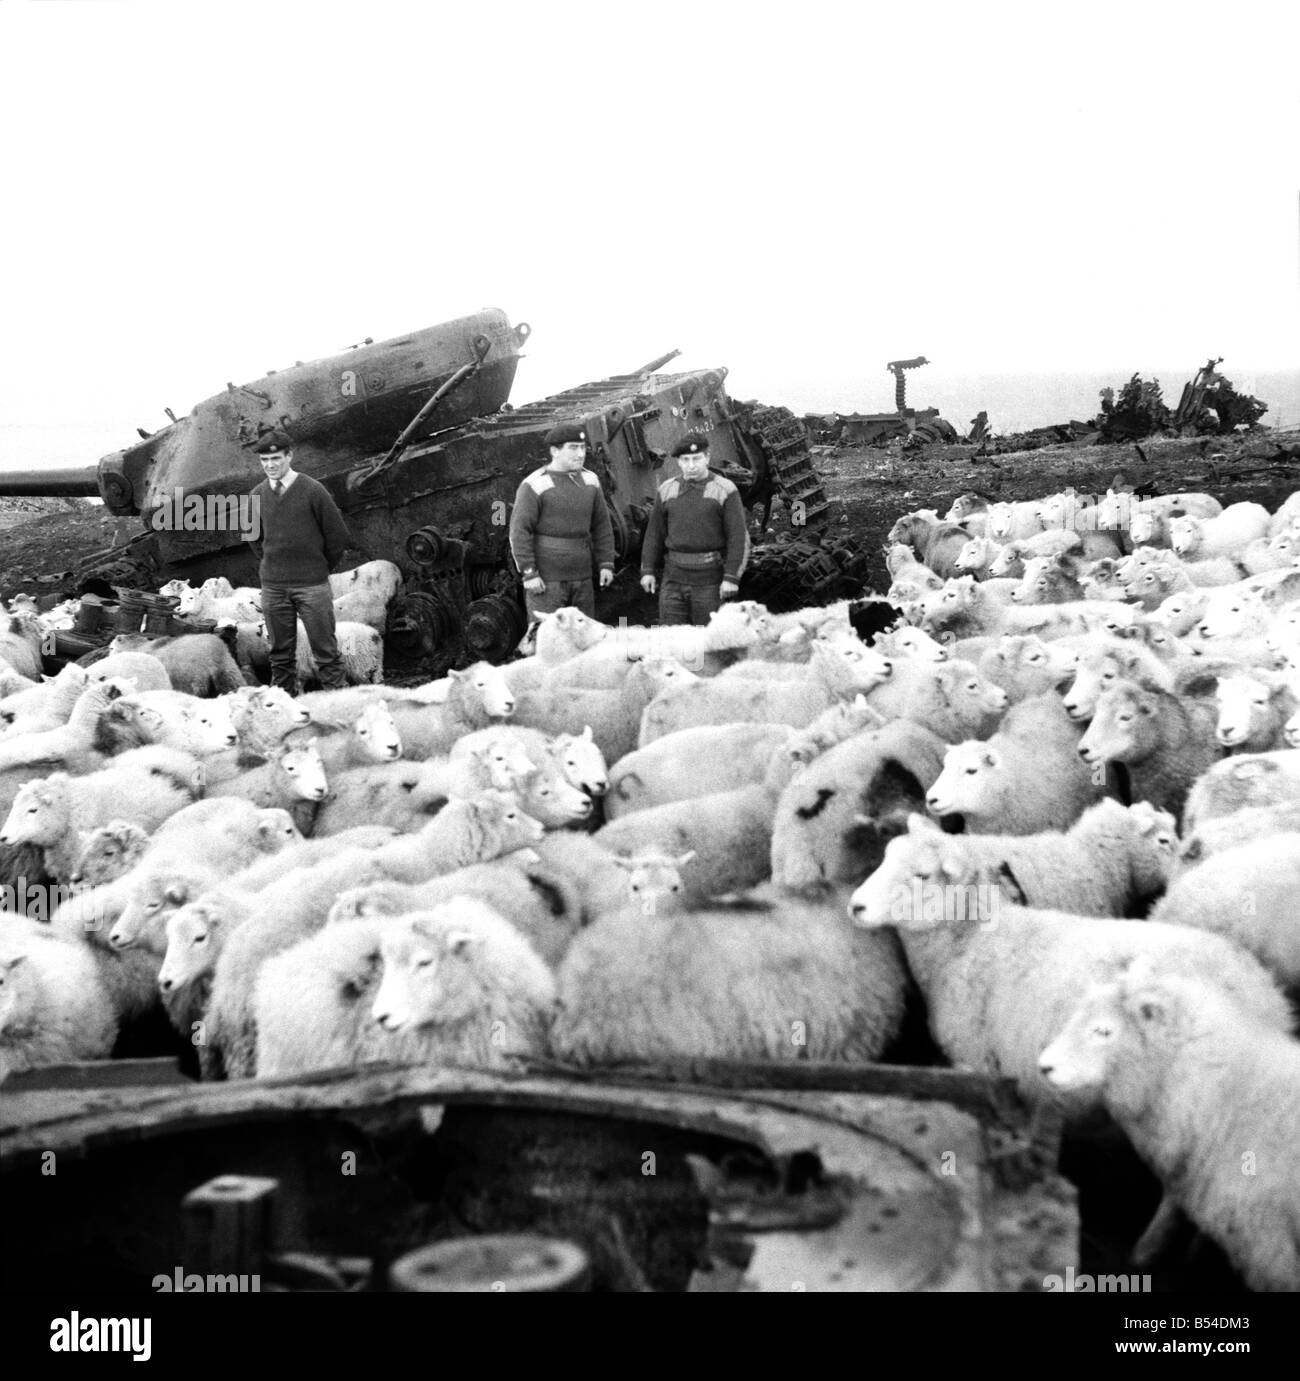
column 1046, row 787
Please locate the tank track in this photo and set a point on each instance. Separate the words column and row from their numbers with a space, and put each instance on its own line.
column 784, row 441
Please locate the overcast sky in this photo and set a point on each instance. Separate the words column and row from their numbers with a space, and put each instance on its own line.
column 202, row 192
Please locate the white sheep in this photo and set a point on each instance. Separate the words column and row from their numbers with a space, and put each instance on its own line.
column 949, row 698
column 109, row 851
column 144, row 669
column 738, row 627
column 56, row 812
column 1111, row 862
column 1224, row 535
column 1197, row 1088
column 209, row 602
column 1241, row 781
column 293, row 774
column 185, row 723
column 262, row 715
column 769, row 976
column 1027, row 777
column 53, row 1006
column 20, row 645
column 477, row 696
column 1000, row 981
column 472, row 830
column 363, row 594
column 1247, row 894
column 44, row 705
column 831, row 727
column 1255, row 709
column 361, row 649
column 372, row 737
column 199, row 664
column 838, row 670
column 70, row 744
column 1102, row 661
column 1023, row 665
column 693, row 763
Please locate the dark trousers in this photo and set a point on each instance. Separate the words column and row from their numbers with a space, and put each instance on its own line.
column 282, row 607
column 560, row 594
column 682, row 603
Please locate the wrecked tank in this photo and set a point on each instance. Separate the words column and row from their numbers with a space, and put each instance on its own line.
column 419, row 446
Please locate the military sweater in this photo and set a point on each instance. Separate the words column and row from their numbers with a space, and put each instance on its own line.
column 694, row 516
column 303, row 533
column 559, row 522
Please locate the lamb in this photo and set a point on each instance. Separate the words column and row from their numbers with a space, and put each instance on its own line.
column 937, row 544
column 1254, row 711
column 199, row 664
column 818, row 839
column 838, row 670
column 1246, row 894
column 1164, row 740
column 692, row 763
column 53, row 1006
column 20, row 645
column 999, row 986
column 1022, row 666
column 766, row 977
column 1028, row 777
column 1224, row 535
column 54, row 812
column 1113, row 861
column 1196, row 1088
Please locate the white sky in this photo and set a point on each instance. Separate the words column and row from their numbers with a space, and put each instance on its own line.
column 199, row 193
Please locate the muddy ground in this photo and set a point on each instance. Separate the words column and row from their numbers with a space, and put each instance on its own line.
column 41, row 540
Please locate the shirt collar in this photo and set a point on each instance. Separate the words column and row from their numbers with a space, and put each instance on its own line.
column 285, row 480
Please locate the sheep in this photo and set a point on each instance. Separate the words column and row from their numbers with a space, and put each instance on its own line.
column 577, row 755
column 1246, row 893
column 949, row 698
column 45, row 705
column 477, row 696
column 976, row 557
column 970, row 510
column 1164, row 740
column 199, row 664
column 838, row 670
column 71, row 744
column 937, row 544
column 293, row 778
column 363, row 594
column 1100, row 580
column 262, row 715
column 1012, row 521
column 1254, row 710
column 1224, row 535
column 54, row 812
column 145, row 670
column 361, row 649
column 1009, row 559
column 968, row 609
column 53, row 1006
column 1023, row 666
column 1181, row 612
column 1241, row 827
column 1196, row 1088
column 769, row 976
column 842, row 721
column 475, row 829
column 1101, row 662
column 1049, row 580
column 209, row 602
column 1027, row 777
column 818, row 839
column 613, row 717
column 20, row 645
column 372, row 737
column 466, row 986
column 1113, row 861
column 1240, row 782
column 693, row 763
column 177, row 721
column 109, row 851
column 11, row 682
column 1000, row 981
column 401, row 795
column 908, row 641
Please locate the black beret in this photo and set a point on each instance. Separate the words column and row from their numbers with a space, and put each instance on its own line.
column 274, row 440
column 691, row 444
column 566, row 431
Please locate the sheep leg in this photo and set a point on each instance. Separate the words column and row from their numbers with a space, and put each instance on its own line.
column 1167, row 1223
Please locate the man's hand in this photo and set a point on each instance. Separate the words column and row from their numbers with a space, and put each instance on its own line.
column 535, row 585
column 606, row 577
column 648, row 584
column 728, row 588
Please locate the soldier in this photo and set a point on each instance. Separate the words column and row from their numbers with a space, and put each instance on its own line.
column 697, row 531
column 559, row 526
column 303, row 537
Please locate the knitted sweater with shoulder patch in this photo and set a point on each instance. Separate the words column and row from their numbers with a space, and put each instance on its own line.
column 693, row 516
column 559, row 522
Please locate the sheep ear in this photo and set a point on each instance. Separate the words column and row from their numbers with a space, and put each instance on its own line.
column 587, row 734
column 683, row 859
column 455, row 675
column 176, row 895
column 1152, row 1010
column 991, row 757
column 627, row 864
column 459, row 941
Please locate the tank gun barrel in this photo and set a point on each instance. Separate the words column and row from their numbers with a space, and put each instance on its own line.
column 74, row 482
column 657, row 363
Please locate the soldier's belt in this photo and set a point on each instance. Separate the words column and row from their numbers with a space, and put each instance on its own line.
column 695, row 560
column 561, row 544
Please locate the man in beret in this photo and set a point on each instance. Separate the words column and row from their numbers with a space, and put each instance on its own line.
column 697, row 532
column 560, row 526
column 303, row 537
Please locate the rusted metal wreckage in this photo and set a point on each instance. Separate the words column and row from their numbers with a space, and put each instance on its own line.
column 417, row 443
column 760, row 1177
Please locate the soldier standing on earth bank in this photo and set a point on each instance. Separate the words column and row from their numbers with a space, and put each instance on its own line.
column 697, row 531
column 303, row 538
column 559, row 524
